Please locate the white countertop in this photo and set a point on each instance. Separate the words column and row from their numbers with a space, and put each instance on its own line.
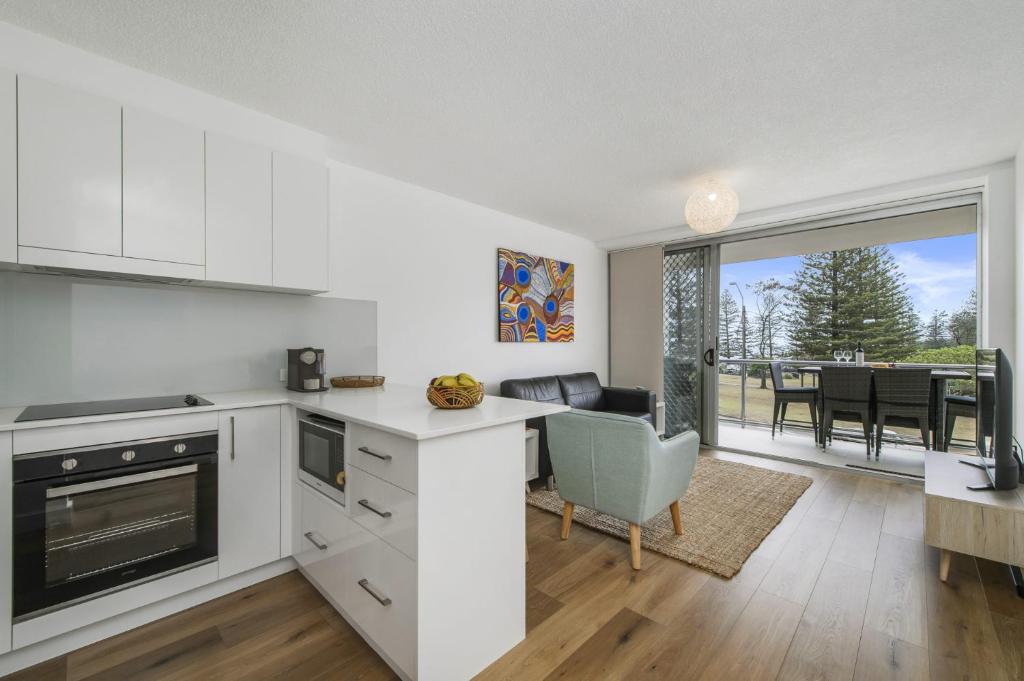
column 399, row 409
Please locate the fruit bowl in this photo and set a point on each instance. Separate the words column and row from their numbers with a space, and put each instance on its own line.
column 455, row 396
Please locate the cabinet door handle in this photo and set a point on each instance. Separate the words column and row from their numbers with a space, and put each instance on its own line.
column 232, row 438
column 382, row 457
column 370, row 507
column 383, row 600
column 309, row 536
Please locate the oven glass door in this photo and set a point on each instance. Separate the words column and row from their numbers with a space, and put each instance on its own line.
column 79, row 535
column 321, row 453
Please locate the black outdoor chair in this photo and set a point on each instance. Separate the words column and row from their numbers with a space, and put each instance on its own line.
column 846, row 396
column 967, row 406
column 902, row 399
column 785, row 396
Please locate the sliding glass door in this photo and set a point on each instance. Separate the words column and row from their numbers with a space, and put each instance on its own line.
column 690, row 319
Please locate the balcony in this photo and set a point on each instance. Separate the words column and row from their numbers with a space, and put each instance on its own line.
column 746, row 398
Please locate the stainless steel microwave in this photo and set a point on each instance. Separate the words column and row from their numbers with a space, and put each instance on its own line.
column 322, row 455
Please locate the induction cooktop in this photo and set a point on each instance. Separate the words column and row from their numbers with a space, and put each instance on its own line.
column 42, row 412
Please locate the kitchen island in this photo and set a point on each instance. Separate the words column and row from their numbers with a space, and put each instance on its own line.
column 426, row 559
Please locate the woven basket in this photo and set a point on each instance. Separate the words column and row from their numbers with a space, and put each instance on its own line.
column 357, row 381
column 458, row 397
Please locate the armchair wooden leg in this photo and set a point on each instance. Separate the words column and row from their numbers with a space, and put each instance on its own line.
column 566, row 519
column 634, row 545
column 677, row 518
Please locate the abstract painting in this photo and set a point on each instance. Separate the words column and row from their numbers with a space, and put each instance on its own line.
column 535, row 299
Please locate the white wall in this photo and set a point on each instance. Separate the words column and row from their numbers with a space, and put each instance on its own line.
column 998, row 261
column 1019, row 281
column 430, row 261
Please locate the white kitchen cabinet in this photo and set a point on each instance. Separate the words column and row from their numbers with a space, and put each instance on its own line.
column 382, row 508
column 300, row 223
column 5, row 540
column 69, row 169
column 372, row 583
column 164, row 189
column 239, row 215
column 249, row 486
column 8, row 167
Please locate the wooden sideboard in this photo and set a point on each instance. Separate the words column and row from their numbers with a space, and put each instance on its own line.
column 987, row 523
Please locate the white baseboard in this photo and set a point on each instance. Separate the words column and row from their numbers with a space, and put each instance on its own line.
column 73, row 640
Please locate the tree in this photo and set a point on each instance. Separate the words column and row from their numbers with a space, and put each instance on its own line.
column 771, row 302
column 935, row 335
column 963, row 324
column 842, row 298
column 728, row 323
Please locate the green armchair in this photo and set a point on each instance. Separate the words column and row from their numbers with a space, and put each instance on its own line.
column 616, row 465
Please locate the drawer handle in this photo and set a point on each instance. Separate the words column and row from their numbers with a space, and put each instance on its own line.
column 370, row 507
column 309, row 536
column 383, row 600
column 382, row 457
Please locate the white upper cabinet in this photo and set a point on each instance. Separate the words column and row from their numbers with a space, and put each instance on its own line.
column 163, row 189
column 239, row 228
column 300, row 223
column 69, row 169
column 8, row 167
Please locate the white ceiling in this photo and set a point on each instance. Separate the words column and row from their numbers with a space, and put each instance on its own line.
column 597, row 117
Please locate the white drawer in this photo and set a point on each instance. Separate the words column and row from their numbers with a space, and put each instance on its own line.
column 325, row 531
column 389, row 457
column 382, row 508
column 338, row 554
column 374, row 569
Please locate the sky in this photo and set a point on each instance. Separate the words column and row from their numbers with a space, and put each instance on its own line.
column 940, row 273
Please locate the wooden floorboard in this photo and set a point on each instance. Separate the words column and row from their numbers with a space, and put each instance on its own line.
column 842, row 589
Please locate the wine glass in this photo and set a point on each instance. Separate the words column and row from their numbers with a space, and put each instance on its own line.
column 838, row 354
column 847, row 355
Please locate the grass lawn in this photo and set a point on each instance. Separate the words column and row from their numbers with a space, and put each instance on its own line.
column 760, row 403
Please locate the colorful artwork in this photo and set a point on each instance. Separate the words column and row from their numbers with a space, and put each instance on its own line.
column 535, row 299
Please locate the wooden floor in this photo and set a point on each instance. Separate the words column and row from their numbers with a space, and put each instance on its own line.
column 842, row 589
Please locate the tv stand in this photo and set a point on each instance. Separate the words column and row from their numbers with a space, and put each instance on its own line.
column 979, row 522
column 977, row 464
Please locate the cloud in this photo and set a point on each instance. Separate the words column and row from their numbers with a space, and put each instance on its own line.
column 936, row 284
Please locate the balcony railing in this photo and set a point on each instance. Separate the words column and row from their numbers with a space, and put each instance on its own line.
column 758, row 411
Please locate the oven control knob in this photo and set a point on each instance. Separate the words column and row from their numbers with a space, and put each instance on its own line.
column 128, row 454
column 179, row 448
column 69, row 464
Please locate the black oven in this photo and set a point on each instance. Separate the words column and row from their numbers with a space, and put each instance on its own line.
column 322, row 455
column 92, row 520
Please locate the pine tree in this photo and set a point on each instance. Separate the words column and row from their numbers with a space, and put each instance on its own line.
column 728, row 325
column 934, row 332
column 842, row 298
column 963, row 324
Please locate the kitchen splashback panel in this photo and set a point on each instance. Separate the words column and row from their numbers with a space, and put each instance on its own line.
column 69, row 339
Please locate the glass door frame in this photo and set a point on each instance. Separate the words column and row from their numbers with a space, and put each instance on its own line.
column 705, row 354
column 709, row 367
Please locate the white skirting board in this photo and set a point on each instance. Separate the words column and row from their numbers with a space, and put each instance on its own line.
column 65, row 643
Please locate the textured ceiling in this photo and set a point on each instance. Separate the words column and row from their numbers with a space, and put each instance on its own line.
column 596, row 117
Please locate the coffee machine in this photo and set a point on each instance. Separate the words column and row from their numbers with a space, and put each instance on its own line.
column 307, row 370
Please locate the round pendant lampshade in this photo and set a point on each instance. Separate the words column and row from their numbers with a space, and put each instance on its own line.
column 712, row 208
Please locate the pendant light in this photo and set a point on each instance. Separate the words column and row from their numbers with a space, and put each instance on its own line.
column 711, row 208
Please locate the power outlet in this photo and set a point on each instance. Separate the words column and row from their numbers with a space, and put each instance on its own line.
column 283, row 376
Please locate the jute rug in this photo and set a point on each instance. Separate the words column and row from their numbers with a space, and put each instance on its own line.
column 727, row 512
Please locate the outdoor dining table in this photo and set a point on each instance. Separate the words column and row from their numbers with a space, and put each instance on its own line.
column 936, row 396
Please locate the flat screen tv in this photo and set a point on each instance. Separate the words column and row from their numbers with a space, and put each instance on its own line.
column 994, row 422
